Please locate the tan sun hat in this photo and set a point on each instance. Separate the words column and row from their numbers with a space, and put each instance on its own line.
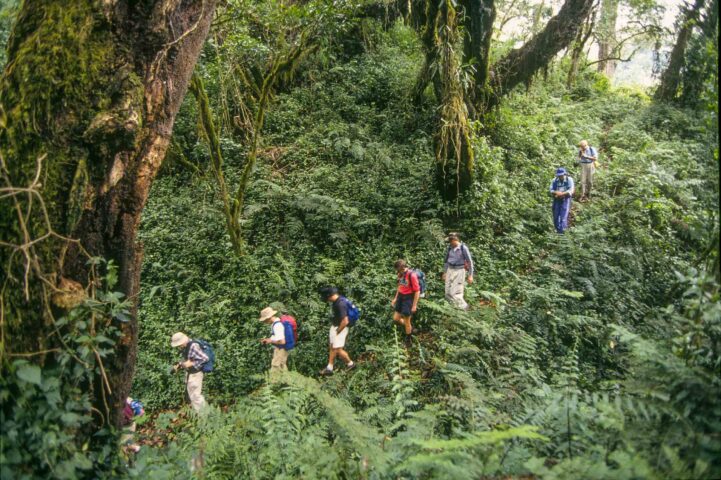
column 266, row 313
column 178, row 339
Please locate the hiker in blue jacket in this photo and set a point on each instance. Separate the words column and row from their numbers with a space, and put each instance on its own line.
column 562, row 189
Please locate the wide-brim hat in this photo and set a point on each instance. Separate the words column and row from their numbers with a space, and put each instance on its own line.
column 561, row 171
column 178, row 339
column 266, row 313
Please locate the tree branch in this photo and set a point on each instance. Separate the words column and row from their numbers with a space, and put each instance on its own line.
column 519, row 65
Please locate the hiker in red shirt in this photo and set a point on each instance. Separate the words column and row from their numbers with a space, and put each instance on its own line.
column 405, row 302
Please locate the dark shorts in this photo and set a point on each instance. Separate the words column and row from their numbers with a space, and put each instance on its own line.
column 404, row 304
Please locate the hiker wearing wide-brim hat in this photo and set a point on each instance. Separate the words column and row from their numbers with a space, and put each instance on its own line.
column 277, row 338
column 562, row 188
column 194, row 359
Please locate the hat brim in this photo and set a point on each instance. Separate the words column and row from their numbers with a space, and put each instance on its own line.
column 263, row 318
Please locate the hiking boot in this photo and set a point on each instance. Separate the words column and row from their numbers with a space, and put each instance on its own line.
column 408, row 342
column 325, row 373
column 351, row 367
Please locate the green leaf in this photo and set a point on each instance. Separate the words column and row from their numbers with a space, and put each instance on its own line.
column 30, row 373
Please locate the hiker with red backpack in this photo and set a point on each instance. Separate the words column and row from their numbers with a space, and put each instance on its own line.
column 405, row 302
column 458, row 263
column 283, row 337
column 199, row 359
column 345, row 315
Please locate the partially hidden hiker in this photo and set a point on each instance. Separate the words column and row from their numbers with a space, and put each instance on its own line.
column 282, row 337
column 587, row 157
column 458, row 263
column 344, row 314
column 405, row 301
column 194, row 363
column 131, row 409
column 562, row 189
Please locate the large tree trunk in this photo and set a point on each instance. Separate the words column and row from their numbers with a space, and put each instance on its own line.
column 479, row 16
column 520, row 64
column 92, row 87
column 671, row 77
column 607, row 37
column 584, row 34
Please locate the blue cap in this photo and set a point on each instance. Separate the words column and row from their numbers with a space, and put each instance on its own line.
column 560, row 171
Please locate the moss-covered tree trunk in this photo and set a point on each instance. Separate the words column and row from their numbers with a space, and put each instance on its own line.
column 478, row 19
column 89, row 93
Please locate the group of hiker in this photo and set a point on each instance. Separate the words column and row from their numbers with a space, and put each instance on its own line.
column 563, row 187
column 198, row 355
column 458, row 268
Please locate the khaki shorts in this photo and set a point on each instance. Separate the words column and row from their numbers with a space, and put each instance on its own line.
column 337, row 340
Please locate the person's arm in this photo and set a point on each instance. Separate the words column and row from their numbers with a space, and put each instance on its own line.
column 416, row 296
column 343, row 324
column 196, row 357
column 471, row 268
column 593, row 155
column 416, row 291
column 553, row 192
column 278, row 337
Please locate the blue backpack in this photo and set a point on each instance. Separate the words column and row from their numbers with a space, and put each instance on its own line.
column 353, row 311
column 289, row 335
column 208, row 350
column 421, row 280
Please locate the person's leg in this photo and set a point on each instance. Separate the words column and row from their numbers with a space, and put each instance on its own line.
column 280, row 360
column 449, row 285
column 195, row 391
column 591, row 173
column 344, row 356
column 566, row 207
column 458, row 277
column 407, row 325
column 584, row 179
column 398, row 318
column 557, row 215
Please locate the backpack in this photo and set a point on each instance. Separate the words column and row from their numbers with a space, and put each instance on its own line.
column 463, row 252
column 208, row 350
column 353, row 311
column 288, row 333
column 421, row 280
column 293, row 323
column 137, row 407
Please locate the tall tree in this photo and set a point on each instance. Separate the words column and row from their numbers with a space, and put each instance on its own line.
column 671, row 77
column 88, row 100
column 606, row 33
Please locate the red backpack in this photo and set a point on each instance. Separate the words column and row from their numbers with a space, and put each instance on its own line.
column 290, row 319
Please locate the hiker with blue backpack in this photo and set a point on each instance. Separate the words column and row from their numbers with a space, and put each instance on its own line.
column 458, row 263
column 199, row 359
column 344, row 315
column 405, row 301
column 562, row 189
column 283, row 337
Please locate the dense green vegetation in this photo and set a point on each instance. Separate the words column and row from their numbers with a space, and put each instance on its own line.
column 593, row 354
column 580, row 353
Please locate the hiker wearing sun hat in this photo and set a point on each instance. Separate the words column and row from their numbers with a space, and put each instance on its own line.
column 194, row 360
column 562, row 189
column 281, row 338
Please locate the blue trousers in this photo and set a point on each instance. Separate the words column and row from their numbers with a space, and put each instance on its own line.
column 561, row 207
